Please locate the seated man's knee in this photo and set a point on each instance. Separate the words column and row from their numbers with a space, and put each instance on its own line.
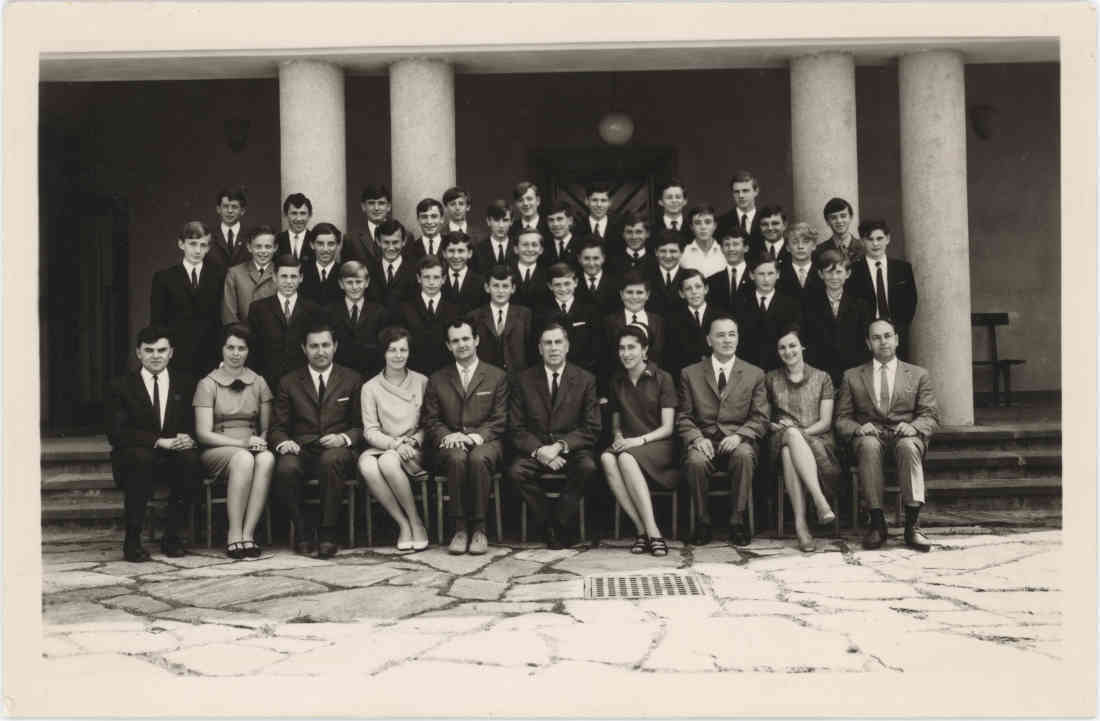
column 453, row 458
column 484, row 455
column 868, row 447
column 908, row 447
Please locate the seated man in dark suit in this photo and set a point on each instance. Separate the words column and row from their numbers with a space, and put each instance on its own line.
column 316, row 425
column 279, row 322
column 797, row 279
column 554, row 421
column 456, row 207
column 499, row 249
column 295, row 239
column 762, row 315
column 888, row 408
column 357, row 322
column 394, row 275
column 839, row 215
column 687, row 324
column 886, row 284
column 531, row 281
column 721, row 417
column 462, row 286
column 465, row 417
column 426, row 317
column 227, row 247
column 187, row 298
column 836, row 321
column 597, row 284
column 735, row 280
column 321, row 274
column 504, row 328
column 150, row 421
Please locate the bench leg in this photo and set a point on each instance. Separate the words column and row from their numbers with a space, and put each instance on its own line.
column 439, row 508
column 523, row 522
column 351, row 516
column 370, row 521
column 267, row 522
column 618, row 510
column 496, row 503
column 424, row 503
column 675, row 513
column 209, row 516
column 1008, row 384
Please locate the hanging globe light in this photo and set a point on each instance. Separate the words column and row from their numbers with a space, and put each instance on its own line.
column 616, row 128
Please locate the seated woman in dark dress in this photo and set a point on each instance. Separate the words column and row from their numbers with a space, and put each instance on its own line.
column 643, row 447
column 801, row 441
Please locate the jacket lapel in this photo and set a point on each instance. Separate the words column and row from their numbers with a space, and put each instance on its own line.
column 543, row 389
column 867, row 373
column 479, row 375
column 137, row 387
column 708, row 376
column 563, row 385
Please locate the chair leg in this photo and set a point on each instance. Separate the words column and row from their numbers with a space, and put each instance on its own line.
column 675, row 513
column 267, row 522
column 523, row 522
column 424, row 503
column 439, row 508
column 583, row 538
column 752, row 519
column 618, row 512
column 1008, row 384
column 209, row 516
column 370, row 521
column 290, row 535
column 855, row 501
column 351, row 516
column 496, row 499
column 780, row 498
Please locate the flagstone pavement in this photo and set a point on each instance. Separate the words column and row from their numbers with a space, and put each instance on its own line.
column 983, row 598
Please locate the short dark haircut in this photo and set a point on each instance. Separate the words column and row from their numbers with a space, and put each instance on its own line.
column 789, row 328
column 722, row 316
column 153, row 333
column 319, row 325
column 456, row 192
column 689, row 273
column 869, row 226
column 831, row 256
column 235, row 193
column 501, row 272
column 498, row 210
column 297, row 200
column 636, row 331
column 769, row 210
column 730, row 231
column 744, row 176
column 325, row 229
column 759, row 259
column 374, row 192
column 591, row 241
column 634, row 218
column 554, row 323
column 559, row 206
column 560, row 270
column 389, row 227
column 634, row 277
column 532, row 231
column 453, row 237
column 352, row 269
column 458, row 323
column 598, row 186
column 427, row 204
column 259, row 230
column 668, row 236
column 884, row 319
column 287, row 260
column 194, row 229
column 522, row 187
column 428, row 262
column 671, row 183
column 392, row 333
column 237, row 330
column 835, row 205
column 701, row 209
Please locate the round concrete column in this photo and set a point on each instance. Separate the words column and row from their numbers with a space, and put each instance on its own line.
column 312, row 131
column 932, row 95
column 823, row 136
column 422, row 134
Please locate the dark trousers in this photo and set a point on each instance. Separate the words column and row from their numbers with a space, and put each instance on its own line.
column 331, row 467
column 469, row 478
column 138, row 470
column 526, row 475
column 741, row 464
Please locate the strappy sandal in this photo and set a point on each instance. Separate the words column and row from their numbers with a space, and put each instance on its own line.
column 641, row 544
column 235, row 550
column 251, row 549
column 658, row 547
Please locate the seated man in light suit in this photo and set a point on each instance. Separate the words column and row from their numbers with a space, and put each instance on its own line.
column 887, row 405
column 554, row 421
column 316, row 427
column 722, row 415
column 465, row 416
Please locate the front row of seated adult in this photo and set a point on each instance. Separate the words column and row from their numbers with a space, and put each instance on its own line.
column 457, row 422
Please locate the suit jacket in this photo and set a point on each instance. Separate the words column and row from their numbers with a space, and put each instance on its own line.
column 359, row 246
column 758, row 333
column 404, row 286
column 542, row 226
column 129, row 411
column 243, row 285
column 662, row 299
column 194, row 316
column 788, row 285
column 836, row 343
column 429, row 332
column 533, row 293
column 481, row 408
column 854, row 252
column 321, row 293
column 478, row 232
column 718, row 289
column 620, row 263
column 358, row 344
column 298, row 417
column 584, row 323
column 612, row 238
column 568, row 255
column 729, row 220
column 471, row 295
column 415, row 250
column 512, row 349
column 282, row 247
column 219, row 249
column 901, row 291
column 484, row 260
column 277, row 342
column 912, row 400
column 606, row 297
column 687, row 341
column 613, row 324
column 741, row 408
column 572, row 417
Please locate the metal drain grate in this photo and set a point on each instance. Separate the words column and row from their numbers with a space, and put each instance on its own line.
column 654, row 585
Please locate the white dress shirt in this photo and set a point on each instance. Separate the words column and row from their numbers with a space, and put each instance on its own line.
column 296, row 241
column 598, row 226
column 283, row 300
column 642, row 317
column 669, row 273
column 550, row 376
column 324, row 271
column 499, row 311
column 523, row 270
column 707, row 262
column 776, row 248
column 461, row 278
column 457, row 227
column 500, row 250
column 187, row 267
column 876, row 379
column 162, row 385
column 236, row 232
column 726, row 367
column 668, row 219
column 736, row 273
column 590, row 279
column 871, row 265
column 766, row 298
column 748, row 217
column 567, row 303
column 532, row 224
column 698, row 314
column 354, row 304
column 431, row 243
column 435, row 300
column 802, row 272
column 395, row 264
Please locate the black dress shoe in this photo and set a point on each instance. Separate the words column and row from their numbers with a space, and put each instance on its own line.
column 172, row 547
column 304, row 548
column 914, row 537
column 702, row 537
column 876, row 531
column 553, row 540
column 327, row 549
column 134, row 552
column 567, row 538
column 739, row 535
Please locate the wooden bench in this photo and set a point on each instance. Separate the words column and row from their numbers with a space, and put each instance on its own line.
column 1002, row 367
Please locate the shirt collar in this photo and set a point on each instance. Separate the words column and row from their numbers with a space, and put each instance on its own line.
column 642, row 317
column 352, row 303
column 189, row 267
column 891, row 367
column 740, row 268
column 533, row 223
column 461, row 273
column 473, row 367
column 589, row 278
column 325, row 268
column 640, row 252
column 550, row 373
column 396, row 263
column 284, row 298
column 673, row 271
column 259, row 269
column 457, row 226
column 568, row 303
column 434, row 299
column 313, row 373
column 523, row 267
column 493, row 310
column 702, row 310
column 718, row 367
column 766, row 296
column 148, row 377
column 236, row 228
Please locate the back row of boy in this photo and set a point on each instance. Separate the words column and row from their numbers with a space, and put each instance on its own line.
column 521, row 269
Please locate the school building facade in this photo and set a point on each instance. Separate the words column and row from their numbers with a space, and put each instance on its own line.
column 956, row 144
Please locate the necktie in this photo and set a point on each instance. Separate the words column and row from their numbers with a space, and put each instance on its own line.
column 156, row 400
column 229, row 240
column 771, row 252
column 554, row 387
column 355, row 315
column 592, row 285
column 500, row 320
column 634, row 255
column 527, row 276
column 880, row 292
column 733, row 283
column 324, row 275
column 286, row 308
column 721, row 381
column 763, row 305
column 675, row 225
column 465, row 375
column 745, row 226
column 633, row 319
column 431, row 307
column 389, row 273
column 558, row 242
column 455, row 284
column 320, row 389
column 194, row 279
column 668, row 279
column 698, row 318
column 500, row 255
column 884, row 391
column 564, row 310
column 297, row 246
column 431, row 247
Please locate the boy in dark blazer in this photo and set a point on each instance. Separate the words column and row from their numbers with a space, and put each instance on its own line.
column 531, row 280
column 743, row 215
column 600, row 223
column 762, row 315
column 688, row 324
column 499, row 248
column 896, row 297
column 664, row 281
column 554, row 421
column 835, row 320
column 797, row 278
column 634, row 294
column 526, row 199
column 393, row 274
column 297, row 209
column 150, row 421
column 357, row 321
column 456, row 207
column 279, row 322
column 429, row 215
column 597, row 285
column 635, row 253
column 187, row 298
column 321, row 274
column 426, row 317
column 735, row 280
column 563, row 245
column 227, row 247
column 374, row 201
column 582, row 319
column 503, row 327
column 462, row 286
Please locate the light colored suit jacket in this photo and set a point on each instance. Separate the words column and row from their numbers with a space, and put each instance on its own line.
column 912, row 401
column 244, row 284
column 741, row 408
column 482, row 408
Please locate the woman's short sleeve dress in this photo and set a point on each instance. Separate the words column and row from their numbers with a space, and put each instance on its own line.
column 639, row 408
column 236, row 408
column 801, row 402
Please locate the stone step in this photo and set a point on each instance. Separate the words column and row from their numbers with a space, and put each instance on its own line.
column 90, row 511
column 992, row 463
column 77, row 481
column 1005, row 437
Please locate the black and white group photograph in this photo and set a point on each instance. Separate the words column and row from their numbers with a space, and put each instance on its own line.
column 550, row 359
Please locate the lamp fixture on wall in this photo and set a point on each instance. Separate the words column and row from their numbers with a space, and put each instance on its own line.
column 615, row 127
